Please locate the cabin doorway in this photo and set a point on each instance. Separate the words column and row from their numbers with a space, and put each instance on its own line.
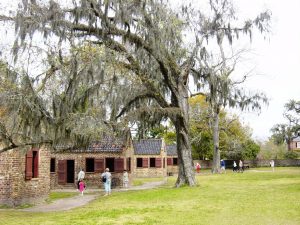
column 110, row 163
column 70, row 171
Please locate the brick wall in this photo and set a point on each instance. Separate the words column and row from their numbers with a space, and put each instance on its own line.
column 172, row 169
column 150, row 171
column 92, row 179
column 14, row 189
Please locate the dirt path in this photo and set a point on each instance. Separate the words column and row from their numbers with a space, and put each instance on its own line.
column 78, row 200
column 63, row 204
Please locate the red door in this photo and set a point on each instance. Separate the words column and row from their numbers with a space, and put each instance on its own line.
column 62, row 172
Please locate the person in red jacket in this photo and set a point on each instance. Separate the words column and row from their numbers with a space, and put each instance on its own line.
column 198, row 167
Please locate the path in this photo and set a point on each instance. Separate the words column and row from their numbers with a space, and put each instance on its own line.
column 63, row 204
column 78, row 200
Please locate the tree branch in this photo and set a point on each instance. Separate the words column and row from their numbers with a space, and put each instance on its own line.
column 135, row 99
column 13, row 146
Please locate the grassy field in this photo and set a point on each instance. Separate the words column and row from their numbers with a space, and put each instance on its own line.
column 59, row 195
column 254, row 197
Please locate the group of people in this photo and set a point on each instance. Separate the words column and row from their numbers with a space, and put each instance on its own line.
column 81, row 186
column 239, row 168
column 235, row 168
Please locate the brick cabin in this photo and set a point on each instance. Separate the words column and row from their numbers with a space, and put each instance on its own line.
column 149, row 158
column 172, row 159
column 294, row 145
column 24, row 176
column 114, row 153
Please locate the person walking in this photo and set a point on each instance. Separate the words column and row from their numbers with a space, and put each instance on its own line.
column 81, row 186
column 241, row 168
column 234, row 169
column 198, row 167
column 125, row 179
column 223, row 166
column 272, row 165
column 80, row 177
column 107, row 183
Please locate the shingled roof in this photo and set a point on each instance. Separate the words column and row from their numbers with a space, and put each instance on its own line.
column 296, row 138
column 106, row 144
column 147, row 147
column 171, row 150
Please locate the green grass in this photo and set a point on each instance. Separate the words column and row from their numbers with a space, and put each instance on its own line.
column 250, row 198
column 141, row 181
column 59, row 195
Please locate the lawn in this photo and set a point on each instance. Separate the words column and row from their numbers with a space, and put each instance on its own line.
column 254, row 197
column 59, row 195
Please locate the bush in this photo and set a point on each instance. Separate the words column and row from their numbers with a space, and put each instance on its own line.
column 291, row 155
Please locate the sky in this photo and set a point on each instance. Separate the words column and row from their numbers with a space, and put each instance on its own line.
column 275, row 60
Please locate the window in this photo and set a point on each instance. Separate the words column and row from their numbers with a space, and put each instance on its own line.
column 175, row 161
column 142, row 162
column 90, row 164
column 52, row 165
column 297, row 144
column 35, row 164
column 152, row 162
column 139, row 162
column 110, row 163
column 32, row 164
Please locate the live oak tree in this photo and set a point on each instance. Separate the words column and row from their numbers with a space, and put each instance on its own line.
column 142, row 39
column 145, row 39
column 63, row 108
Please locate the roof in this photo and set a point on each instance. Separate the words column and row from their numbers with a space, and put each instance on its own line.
column 296, row 138
column 171, row 150
column 106, row 144
column 147, row 147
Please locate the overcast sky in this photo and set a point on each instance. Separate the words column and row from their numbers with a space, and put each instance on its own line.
column 276, row 61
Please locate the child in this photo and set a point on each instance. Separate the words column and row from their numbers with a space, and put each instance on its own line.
column 81, row 186
column 125, row 179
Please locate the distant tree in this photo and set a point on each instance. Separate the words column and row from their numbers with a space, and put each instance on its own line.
column 291, row 155
column 166, row 132
column 270, row 150
column 235, row 139
column 283, row 133
column 216, row 68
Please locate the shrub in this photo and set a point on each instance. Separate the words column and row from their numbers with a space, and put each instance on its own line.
column 291, row 155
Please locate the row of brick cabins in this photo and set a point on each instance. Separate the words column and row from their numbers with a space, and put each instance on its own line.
column 25, row 176
column 112, row 153
column 152, row 158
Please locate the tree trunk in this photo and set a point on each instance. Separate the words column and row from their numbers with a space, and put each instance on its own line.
column 216, row 158
column 186, row 173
